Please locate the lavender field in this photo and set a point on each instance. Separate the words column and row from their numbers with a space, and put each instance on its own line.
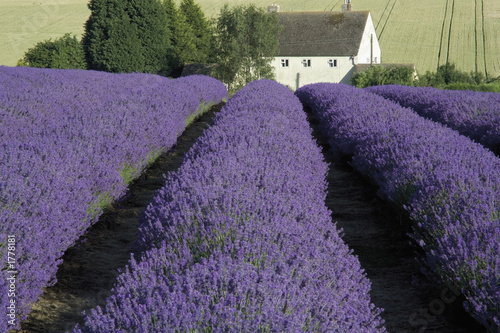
column 473, row 114
column 71, row 142
column 239, row 238
column 449, row 185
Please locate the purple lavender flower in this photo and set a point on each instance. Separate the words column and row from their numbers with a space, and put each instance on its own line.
column 239, row 238
column 69, row 141
column 449, row 184
column 473, row 114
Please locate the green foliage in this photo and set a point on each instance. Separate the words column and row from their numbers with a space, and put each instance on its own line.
column 102, row 202
column 111, row 41
column 246, row 39
column 182, row 39
column 130, row 172
column 446, row 77
column 491, row 87
column 153, row 33
column 380, row 75
column 202, row 109
column 22, row 63
column 449, row 75
column 64, row 52
column 200, row 28
column 123, row 36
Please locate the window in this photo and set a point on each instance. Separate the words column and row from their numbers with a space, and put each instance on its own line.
column 284, row 62
column 332, row 62
column 306, row 62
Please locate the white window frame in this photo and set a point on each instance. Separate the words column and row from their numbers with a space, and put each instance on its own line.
column 285, row 63
column 306, row 62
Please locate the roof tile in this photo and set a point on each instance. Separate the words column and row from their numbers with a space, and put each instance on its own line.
column 321, row 33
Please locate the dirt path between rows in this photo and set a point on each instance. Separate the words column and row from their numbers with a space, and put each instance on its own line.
column 374, row 230
column 377, row 233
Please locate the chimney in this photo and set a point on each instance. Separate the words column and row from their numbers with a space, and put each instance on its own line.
column 274, row 8
column 346, row 7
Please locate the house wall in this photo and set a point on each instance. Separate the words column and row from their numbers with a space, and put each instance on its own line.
column 296, row 75
column 364, row 54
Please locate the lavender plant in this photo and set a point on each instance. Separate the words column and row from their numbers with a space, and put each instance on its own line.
column 473, row 114
column 239, row 238
column 449, row 184
column 71, row 140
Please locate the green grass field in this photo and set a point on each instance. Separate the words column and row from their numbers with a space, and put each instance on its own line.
column 23, row 23
column 427, row 33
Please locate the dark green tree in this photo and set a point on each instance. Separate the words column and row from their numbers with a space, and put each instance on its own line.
column 64, row 52
column 183, row 48
column 201, row 30
column 127, row 36
column 246, row 42
column 111, row 40
column 152, row 29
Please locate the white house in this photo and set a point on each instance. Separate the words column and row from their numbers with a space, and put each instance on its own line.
column 324, row 46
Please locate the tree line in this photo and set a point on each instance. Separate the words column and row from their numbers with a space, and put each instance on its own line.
column 159, row 37
column 446, row 76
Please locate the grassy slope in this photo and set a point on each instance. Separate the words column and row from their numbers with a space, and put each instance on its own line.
column 23, row 23
column 492, row 42
column 424, row 32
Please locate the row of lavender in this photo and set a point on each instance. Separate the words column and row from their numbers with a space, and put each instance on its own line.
column 449, row 184
column 473, row 114
column 70, row 141
column 239, row 238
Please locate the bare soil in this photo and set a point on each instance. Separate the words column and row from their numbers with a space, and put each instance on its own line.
column 375, row 230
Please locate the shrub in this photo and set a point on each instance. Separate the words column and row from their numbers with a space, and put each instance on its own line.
column 381, row 75
column 63, row 53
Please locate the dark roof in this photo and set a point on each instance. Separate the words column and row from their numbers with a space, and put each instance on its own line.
column 321, row 33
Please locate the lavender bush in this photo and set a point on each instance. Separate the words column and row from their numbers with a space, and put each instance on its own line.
column 473, row 114
column 70, row 142
column 239, row 238
column 449, row 184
